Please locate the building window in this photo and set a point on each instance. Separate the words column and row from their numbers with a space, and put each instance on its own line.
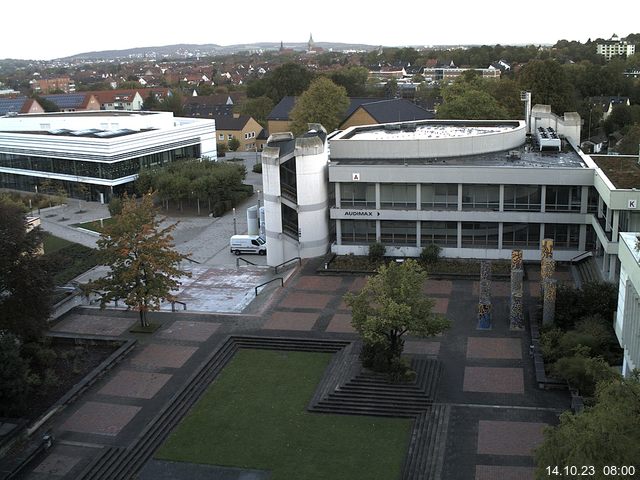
column 357, row 195
column 439, row 196
column 358, row 232
column 230, row 136
column 565, row 236
column 290, row 221
column 400, row 196
column 479, row 235
column 394, row 232
column 522, row 197
column 525, row 235
column 480, row 197
column 444, row 234
column 563, row 199
column 221, row 136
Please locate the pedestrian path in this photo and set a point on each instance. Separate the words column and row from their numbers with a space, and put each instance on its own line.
column 495, row 414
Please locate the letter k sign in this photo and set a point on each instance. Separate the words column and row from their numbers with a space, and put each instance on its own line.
column 633, row 204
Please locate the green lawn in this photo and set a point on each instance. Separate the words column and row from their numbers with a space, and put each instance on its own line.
column 254, row 416
column 95, row 225
column 68, row 259
column 52, row 244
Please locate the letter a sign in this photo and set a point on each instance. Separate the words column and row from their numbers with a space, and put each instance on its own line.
column 355, row 177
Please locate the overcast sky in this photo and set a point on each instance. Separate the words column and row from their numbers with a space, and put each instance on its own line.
column 46, row 30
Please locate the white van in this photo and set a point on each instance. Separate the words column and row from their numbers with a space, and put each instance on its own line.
column 248, row 244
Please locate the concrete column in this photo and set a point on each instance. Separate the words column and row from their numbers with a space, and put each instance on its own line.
column 418, row 197
column 615, row 225
column 582, row 239
column 500, row 231
column 338, row 196
column 584, row 200
column 501, row 196
column 600, row 205
column 378, row 198
column 459, row 235
column 338, row 232
column 378, row 233
column 459, row 198
column 543, row 201
column 418, row 234
column 607, row 223
column 613, row 263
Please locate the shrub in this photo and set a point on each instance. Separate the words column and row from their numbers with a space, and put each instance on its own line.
column 550, row 345
column 115, row 206
column 594, row 298
column 583, row 372
column 376, row 252
column 430, row 254
column 257, row 168
column 234, row 144
column 14, row 376
column 375, row 356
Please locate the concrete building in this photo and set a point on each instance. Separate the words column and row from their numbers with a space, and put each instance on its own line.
column 104, row 150
column 627, row 317
column 296, row 195
column 614, row 47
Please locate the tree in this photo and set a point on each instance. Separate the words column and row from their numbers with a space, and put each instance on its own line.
column 324, row 102
column 548, row 84
column 471, row 105
column 14, row 376
column 288, row 79
column 258, row 108
column 46, row 104
column 603, row 435
column 234, row 144
column 353, row 79
column 25, row 282
column 392, row 304
column 144, row 265
column 151, row 102
column 174, row 103
column 630, row 143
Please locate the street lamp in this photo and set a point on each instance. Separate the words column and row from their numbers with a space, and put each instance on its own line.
column 235, row 227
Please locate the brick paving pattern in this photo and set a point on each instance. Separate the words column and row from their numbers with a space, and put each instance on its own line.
column 498, row 289
column 509, row 438
column 504, row 348
column 291, row 321
column 493, row 380
column 127, row 383
column 437, row 287
column 340, row 323
column 163, row 356
column 495, row 472
column 57, row 465
column 100, row 418
column 305, row 300
column 189, row 331
column 318, row 284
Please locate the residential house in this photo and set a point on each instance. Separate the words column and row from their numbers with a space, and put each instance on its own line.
column 46, row 85
column 129, row 100
column 361, row 111
column 614, row 47
column 19, row 105
column 241, row 127
column 607, row 103
column 74, row 102
column 385, row 111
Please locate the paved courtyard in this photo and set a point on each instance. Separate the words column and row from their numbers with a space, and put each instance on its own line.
column 497, row 411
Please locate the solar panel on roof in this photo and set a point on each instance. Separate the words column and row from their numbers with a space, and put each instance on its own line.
column 11, row 105
column 87, row 131
column 67, row 100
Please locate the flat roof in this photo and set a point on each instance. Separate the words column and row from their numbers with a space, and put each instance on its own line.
column 524, row 156
column 90, row 113
column 432, row 129
column 622, row 170
column 88, row 132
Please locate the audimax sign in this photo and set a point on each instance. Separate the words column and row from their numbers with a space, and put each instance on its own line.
column 361, row 213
